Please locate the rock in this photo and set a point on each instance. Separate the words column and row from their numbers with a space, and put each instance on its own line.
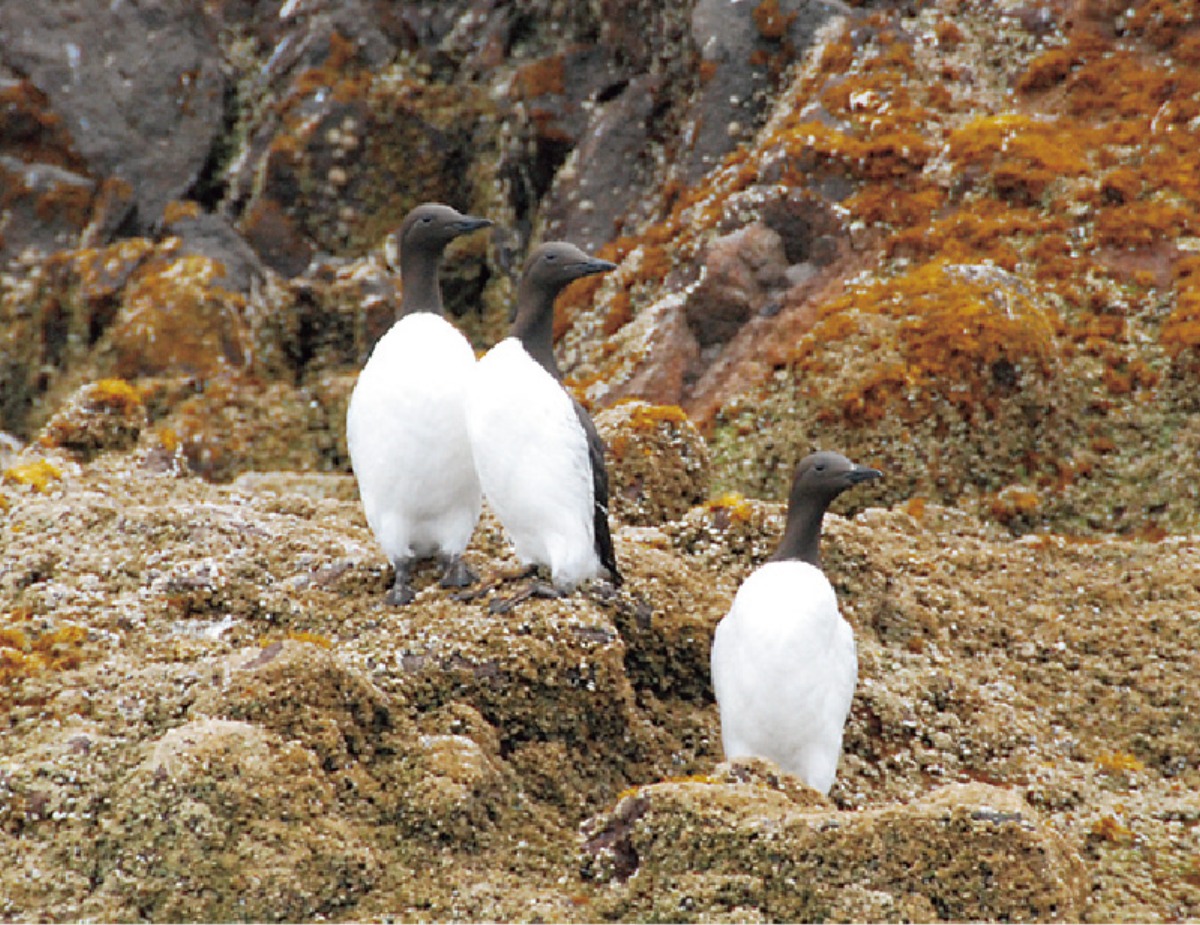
column 230, row 425
column 304, row 693
column 604, row 180
column 340, row 309
column 554, row 91
column 155, row 132
column 656, row 459
column 50, row 206
column 967, row 852
column 101, row 416
column 743, row 46
column 225, row 820
column 211, row 236
column 987, row 229
column 10, row 446
column 958, row 350
column 741, row 274
column 554, row 674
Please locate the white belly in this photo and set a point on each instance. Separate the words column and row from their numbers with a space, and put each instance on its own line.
column 407, row 435
column 784, row 668
column 532, row 457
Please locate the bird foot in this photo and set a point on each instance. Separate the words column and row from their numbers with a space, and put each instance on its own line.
column 457, row 574
column 533, row 589
column 401, row 592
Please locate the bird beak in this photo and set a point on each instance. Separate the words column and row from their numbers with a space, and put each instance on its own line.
column 590, row 267
column 470, row 223
column 863, row 474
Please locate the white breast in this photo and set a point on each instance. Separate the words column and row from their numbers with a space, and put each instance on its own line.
column 532, row 457
column 784, row 668
column 407, row 435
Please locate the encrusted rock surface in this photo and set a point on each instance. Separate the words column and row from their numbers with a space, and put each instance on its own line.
column 212, row 714
column 957, row 240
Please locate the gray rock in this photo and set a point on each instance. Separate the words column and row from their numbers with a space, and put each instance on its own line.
column 212, row 236
column 598, row 187
column 742, row 46
column 139, row 87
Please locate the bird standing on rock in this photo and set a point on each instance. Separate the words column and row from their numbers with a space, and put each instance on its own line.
column 784, row 664
column 539, row 458
column 406, row 426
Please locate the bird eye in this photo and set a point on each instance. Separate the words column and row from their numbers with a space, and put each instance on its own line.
column 426, row 219
column 552, row 257
column 820, row 467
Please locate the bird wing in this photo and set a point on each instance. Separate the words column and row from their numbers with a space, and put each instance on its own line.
column 604, row 544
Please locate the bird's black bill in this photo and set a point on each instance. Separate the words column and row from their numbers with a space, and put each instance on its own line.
column 471, row 223
column 590, row 267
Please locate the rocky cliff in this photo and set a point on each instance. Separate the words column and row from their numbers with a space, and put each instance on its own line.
column 958, row 241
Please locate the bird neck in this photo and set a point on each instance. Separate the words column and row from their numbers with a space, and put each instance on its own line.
column 534, row 325
column 802, row 536
column 419, row 275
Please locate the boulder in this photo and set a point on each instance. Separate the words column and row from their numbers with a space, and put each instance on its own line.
column 751, row 848
column 155, row 133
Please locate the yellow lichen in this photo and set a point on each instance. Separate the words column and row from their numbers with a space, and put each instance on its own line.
column 23, row 654
column 315, row 639
column 116, row 394
column 38, row 475
column 1118, row 762
column 733, row 504
column 650, row 416
column 1110, row 829
column 175, row 211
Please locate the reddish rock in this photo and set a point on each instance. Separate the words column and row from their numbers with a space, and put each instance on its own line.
column 742, row 274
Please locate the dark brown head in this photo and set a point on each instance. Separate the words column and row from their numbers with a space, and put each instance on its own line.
column 549, row 269
column 431, row 226
column 818, row 479
column 422, row 238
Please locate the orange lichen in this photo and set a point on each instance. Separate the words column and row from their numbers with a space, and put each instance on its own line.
column 1022, row 154
column 1014, row 503
column 961, row 336
column 619, row 313
column 38, row 475
column 34, row 131
column 68, row 202
column 179, row 317
column 538, row 78
column 772, row 22
column 1181, row 331
column 176, row 210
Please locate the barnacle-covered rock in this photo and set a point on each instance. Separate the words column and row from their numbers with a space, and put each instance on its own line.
column 225, row 820
column 962, row 853
column 963, row 358
column 656, row 459
column 104, row 415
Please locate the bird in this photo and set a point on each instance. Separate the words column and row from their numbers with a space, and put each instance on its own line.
column 784, row 664
column 539, row 458
column 405, row 424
